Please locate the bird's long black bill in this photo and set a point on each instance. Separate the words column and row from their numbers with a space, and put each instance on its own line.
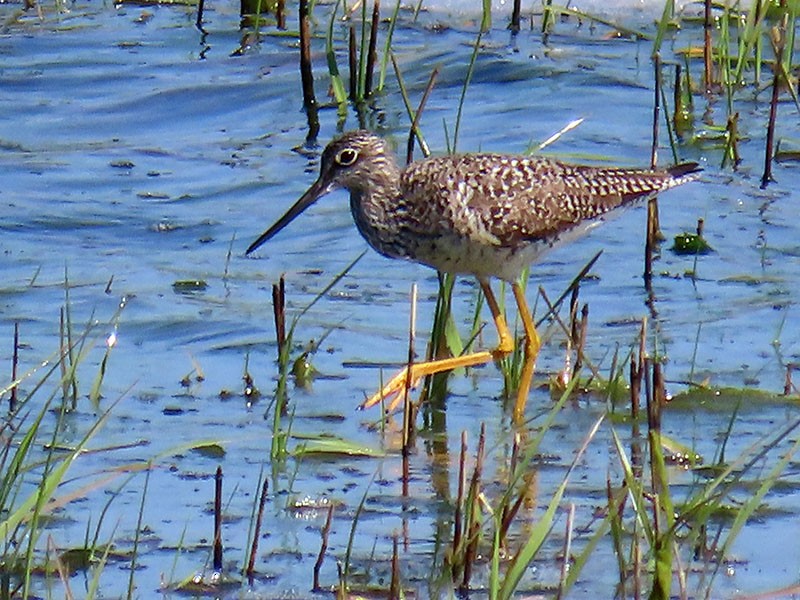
column 313, row 194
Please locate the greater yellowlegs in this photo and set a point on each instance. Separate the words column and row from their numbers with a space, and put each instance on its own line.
column 486, row 215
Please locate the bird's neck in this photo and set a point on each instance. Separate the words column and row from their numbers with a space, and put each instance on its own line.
column 374, row 205
column 378, row 191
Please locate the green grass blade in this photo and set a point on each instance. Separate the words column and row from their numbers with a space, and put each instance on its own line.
column 339, row 92
column 387, row 47
column 541, row 529
column 467, row 78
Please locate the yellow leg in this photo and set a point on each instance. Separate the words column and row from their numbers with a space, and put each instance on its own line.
column 532, row 345
column 398, row 384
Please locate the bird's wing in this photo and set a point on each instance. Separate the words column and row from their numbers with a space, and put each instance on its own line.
column 507, row 200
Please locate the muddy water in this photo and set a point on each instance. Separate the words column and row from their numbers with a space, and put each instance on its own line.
column 136, row 152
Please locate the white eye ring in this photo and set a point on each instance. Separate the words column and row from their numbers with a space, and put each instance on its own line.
column 346, row 157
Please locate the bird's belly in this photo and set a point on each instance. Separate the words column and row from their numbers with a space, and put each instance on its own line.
column 467, row 257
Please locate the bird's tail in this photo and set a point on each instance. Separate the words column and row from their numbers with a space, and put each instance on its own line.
column 684, row 172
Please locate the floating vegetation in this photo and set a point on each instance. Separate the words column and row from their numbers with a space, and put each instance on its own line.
column 189, row 287
column 691, row 244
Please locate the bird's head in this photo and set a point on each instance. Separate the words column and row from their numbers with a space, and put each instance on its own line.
column 356, row 161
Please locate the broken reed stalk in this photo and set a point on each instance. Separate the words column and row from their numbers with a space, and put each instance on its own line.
column 279, row 312
column 707, row 50
column 514, row 26
column 372, row 55
column 250, row 391
column 218, row 520
column 636, row 561
column 405, row 476
column 636, row 374
column 199, row 22
column 581, row 341
column 637, row 370
column 615, row 511
column 567, row 551
column 62, row 347
column 778, row 40
column 512, row 512
column 573, row 315
column 652, row 204
column 473, row 498
column 650, row 241
column 787, row 382
column 732, row 142
column 458, row 514
column 408, row 408
column 326, row 530
column 280, row 14
column 509, row 512
column 656, row 109
column 663, row 515
column 352, row 62
column 12, row 401
column 394, row 584
column 552, row 307
column 262, row 501
column 306, row 74
column 655, row 402
column 677, row 102
column 414, row 132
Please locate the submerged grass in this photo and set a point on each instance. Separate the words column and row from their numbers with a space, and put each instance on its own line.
column 280, row 433
column 31, row 477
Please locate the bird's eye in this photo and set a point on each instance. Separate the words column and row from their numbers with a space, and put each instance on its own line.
column 346, row 157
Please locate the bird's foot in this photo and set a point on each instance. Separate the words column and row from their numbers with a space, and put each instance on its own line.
column 396, row 389
column 409, row 377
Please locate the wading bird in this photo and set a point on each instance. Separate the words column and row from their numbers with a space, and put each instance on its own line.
column 485, row 215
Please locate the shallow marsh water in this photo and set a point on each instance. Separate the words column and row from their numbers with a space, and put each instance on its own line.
column 132, row 147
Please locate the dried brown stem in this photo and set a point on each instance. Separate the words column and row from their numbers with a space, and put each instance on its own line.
column 372, row 55
column 567, row 550
column 787, row 384
column 200, row 7
column 12, row 402
column 306, row 74
column 352, row 62
column 462, row 480
column 279, row 312
column 656, row 109
column 262, row 501
column 778, row 40
column 573, row 315
column 394, row 585
column 408, row 408
column 414, row 132
column 515, row 17
column 326, row 530
column 280, row 14
column 707, row 51
column 471, row 552
column 581, row 339
column 218, row 520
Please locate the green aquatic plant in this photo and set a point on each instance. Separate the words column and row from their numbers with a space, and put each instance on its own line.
column 280, row 435
column 23, row 505
column 691, row 244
